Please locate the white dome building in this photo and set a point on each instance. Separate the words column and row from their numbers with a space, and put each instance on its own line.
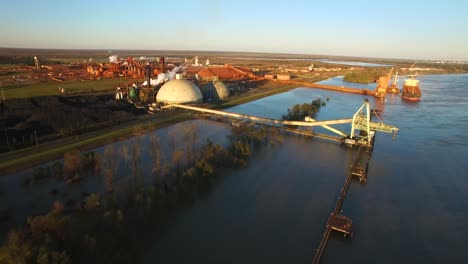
column 215, row 90
column 179, row 92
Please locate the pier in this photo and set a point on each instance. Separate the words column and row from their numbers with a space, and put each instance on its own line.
column 337, row 221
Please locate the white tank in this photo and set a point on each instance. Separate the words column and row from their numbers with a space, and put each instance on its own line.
column 179, row 92
column 215, row 90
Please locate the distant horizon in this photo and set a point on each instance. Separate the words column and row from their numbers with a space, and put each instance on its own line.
column 113, row 52
column 415, row 30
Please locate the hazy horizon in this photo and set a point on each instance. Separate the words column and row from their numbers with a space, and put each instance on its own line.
column 271, row 54
column 422, row 30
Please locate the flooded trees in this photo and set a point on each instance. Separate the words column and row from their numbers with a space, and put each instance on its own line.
column 299, row 111
column 135, row 152
column 72, row 165
column 110, row 228
column 190, row 138
column 109, row 167
column 155, row 153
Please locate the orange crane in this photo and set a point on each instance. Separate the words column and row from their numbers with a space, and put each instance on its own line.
column 382, row 85
column 393, row 87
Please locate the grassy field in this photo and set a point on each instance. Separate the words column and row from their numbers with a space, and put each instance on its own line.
column 50, row 150
column 52, row 88
column 55, row 149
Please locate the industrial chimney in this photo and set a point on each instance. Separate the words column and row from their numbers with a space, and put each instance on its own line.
column 148, row 74
column 36, row 62
column 162, row 65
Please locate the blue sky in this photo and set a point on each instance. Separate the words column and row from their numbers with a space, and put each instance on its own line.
column 393, row 29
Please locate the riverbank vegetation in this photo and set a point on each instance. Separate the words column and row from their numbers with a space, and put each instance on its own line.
column 367, row 75
column 112, row 226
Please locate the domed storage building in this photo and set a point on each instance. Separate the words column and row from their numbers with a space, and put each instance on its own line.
column 179, row 92
column 215, row 90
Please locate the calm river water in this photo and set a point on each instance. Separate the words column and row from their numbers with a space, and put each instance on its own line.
column 413, row 208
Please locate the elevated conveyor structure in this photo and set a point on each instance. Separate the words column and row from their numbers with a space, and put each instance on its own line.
column 360, row 121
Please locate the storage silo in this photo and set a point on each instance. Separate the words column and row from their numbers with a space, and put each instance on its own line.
column 215, row 90
column 179, row 92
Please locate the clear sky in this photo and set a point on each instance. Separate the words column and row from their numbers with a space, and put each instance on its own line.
column 393, row 29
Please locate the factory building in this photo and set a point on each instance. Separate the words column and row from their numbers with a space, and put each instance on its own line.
column 215, row 90
column 179, row 92
column 226, row 72
column 270, row 76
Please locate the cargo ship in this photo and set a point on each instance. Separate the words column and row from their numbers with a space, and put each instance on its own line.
column 411, row 91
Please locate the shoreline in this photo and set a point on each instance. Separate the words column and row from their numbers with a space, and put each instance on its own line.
column 22, row 159
column 49, row 151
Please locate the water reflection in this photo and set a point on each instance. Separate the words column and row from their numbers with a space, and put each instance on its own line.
column 24, row 197
column 411, row 209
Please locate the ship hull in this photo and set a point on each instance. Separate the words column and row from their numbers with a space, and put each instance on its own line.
column 411, row 99
column 411, row 93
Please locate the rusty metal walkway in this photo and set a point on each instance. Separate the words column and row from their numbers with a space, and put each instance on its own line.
column 337, row 211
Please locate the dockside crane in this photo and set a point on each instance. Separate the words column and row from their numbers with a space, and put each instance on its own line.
column 382, row 85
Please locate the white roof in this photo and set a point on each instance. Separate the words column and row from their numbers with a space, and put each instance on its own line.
column 179, row 91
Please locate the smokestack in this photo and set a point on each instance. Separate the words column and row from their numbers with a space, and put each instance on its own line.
column 148, row 75
column 161, row 65
column 36, row 63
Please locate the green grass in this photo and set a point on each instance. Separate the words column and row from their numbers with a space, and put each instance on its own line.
column 34, row 155
column 365, row 76
column 52, row 88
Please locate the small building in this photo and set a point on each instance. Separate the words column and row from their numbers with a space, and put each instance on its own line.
column 283, row 77
column 270, row 76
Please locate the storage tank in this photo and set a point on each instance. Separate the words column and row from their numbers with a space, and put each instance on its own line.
column 215, row 90
column 179, row 92
column 133, row 93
